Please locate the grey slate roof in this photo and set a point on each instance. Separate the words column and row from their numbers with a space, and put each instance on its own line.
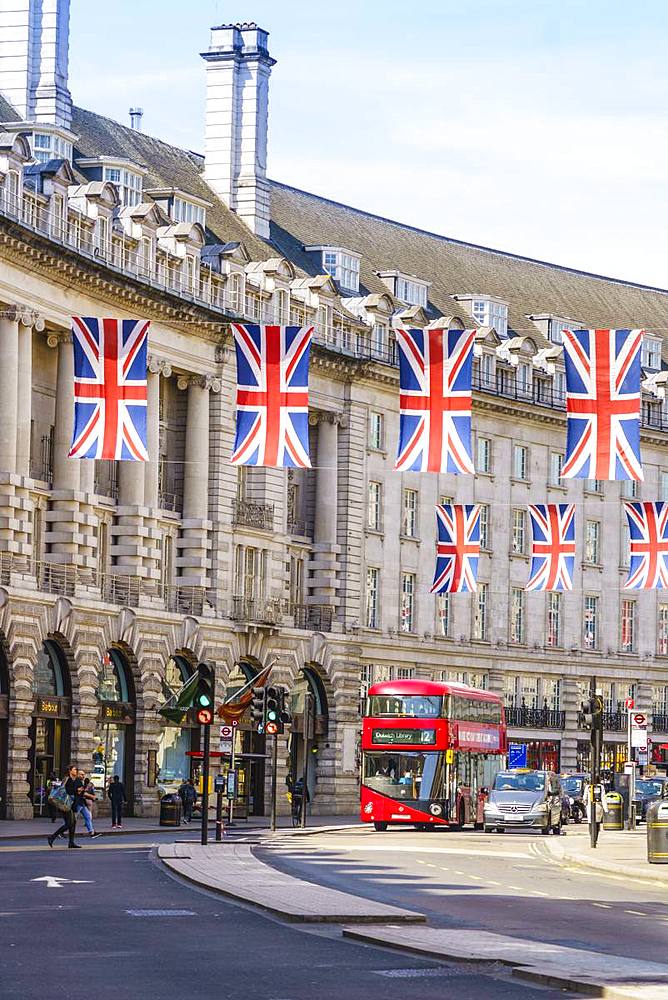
column 452, row 266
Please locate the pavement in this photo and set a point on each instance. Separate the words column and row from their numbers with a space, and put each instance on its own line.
column 622, row 853
column 28, row 829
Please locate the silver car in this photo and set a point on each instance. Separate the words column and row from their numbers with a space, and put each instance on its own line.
column 523, row 798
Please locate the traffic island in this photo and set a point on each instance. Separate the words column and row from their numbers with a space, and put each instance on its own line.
column 574, row 969
column 235, row 872
column 620, row 853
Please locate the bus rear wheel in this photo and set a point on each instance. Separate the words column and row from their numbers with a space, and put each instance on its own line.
column 381, row 827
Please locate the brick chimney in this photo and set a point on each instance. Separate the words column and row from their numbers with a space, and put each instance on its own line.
column 238, row 66
column 34, row 55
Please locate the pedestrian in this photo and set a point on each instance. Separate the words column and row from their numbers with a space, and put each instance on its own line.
column 72, row 785
column 84, row 804
column 188, row 795
column 53, row 782
column 116, row 795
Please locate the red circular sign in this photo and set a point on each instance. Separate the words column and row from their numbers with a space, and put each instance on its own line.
column 205, row 716
column 640, row 719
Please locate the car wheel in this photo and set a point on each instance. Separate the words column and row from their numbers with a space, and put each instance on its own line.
column 381, row 827
column 500, row 829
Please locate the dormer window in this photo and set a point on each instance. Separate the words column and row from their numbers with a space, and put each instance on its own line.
column 342, row 264
column 650, row 354
column 50, row 146
column 552, row 327
column 186, row 211
column 406, row 287
column 487, row 311
column 128, row 184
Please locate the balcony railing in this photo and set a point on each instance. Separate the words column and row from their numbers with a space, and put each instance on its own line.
column 254, row 515
column 54, row 578
column 297, row 528
column 316, row 617
column 185, row 600
column 262, row 611
column 536, row 718
column 121, row 589
column 659, row 720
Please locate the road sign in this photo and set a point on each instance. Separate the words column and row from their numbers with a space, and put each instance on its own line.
column 226, row 732
column 232, row 782
column 629, row 703
column 517, row 755
column 638, row 720
column 225, row 746
column 219, row 783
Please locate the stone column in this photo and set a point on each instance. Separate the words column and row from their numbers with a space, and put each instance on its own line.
column 9, row 375
column 24, row 392
column 194, row 562
column 156, row 368
column 84, row 719
column 324, row 565
column 570, row 703
column 66, row 471
column 21, row 707
column 147, row 732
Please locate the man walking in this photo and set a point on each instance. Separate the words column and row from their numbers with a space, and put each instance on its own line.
column 84, row 803
column 188, row 795
column 73, row 785
column 116, row 796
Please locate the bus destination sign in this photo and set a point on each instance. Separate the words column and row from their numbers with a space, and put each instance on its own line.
column 399, row 736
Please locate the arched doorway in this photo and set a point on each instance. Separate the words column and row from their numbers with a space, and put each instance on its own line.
column 310, row 719
column 173, row 764
column 114, row 751
column 50, row 729
column 4, row 727
column 249, row 749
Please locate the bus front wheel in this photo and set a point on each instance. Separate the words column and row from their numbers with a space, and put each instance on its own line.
column 381, row 827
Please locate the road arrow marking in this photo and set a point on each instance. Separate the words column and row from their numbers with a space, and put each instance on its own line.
column 57, row 882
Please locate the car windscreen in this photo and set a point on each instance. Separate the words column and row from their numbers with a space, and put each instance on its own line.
column 572, row 785
column 509, row 781
column 412, row 706
column 649, row 787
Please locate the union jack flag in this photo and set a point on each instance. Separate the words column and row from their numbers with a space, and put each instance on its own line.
column 110, row 357
column 648, row 530
column 603, row 404
column 457, row 549
column 435, row 401
column 272, row 395
column 553, row 548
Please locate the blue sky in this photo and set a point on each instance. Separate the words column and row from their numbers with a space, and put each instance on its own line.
column 532, row 126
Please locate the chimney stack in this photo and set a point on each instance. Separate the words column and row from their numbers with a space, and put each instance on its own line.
column 136, row 115
column 237, row 97
column 34, row 55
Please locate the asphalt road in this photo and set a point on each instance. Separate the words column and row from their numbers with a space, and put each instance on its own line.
column 124, row 929
column 507, row 884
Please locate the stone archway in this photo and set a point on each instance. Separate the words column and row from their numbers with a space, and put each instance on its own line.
column 51, row 724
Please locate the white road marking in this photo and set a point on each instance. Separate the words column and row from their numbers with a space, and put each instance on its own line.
column 603, row 906
column 636, row 913
column 537, row 892
column 57, row 882
column 161, row 913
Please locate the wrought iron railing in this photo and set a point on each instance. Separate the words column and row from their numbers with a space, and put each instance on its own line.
column 659, row 720
column 186, row 600
column 253, row 515
column 262, row 611
column 316, row 617
column 615, row 722
column 56, row 578
column 536, row 718
column 297, row 528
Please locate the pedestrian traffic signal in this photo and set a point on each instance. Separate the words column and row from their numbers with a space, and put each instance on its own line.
column 592, row 713
column 257, row 708
column 205, row 693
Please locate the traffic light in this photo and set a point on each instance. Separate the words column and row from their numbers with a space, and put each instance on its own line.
column 272, row 724
column 257, row 708
column 285, row 718
column 592, row 713
column 204, row 695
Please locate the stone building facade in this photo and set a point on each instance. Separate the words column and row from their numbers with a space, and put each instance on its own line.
column 116, row 578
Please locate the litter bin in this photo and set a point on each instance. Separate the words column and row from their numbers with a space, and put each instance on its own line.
column 613, row 819
column 170, row 810
column 657, row 832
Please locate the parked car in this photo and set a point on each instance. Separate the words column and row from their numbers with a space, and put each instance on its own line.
column 521, row 799
column 647, row 790
column 575, row 788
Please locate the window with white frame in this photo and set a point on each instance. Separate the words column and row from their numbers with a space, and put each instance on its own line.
column 630, row 489
column 48, row 146
column 480, row 612
column 376, row 430
column 559, row 387
column 628, row 626
column 12, row 184
column 282, row 306
column 517, row 615
column 523, row 378
column 520, row 461
column 591, row 621
column 235, row 292
column 379, row 340
column 557, row 327
column 650, row 352
column 445, row 501
column 411, row 292
column 186, row 211
column 659, row 700
column 58, row 216
column 556, row 464
column 625, row 545
column 593, row 485
column 518, row 539
column 127, row 183
column 405, row 673
column 491, row 312
column 487, row 370
column 250, row 572
column 407, row 622
column 483, row 521
column 484, row 454
column 443, row 614
column 663, row 485
column 553, row 633
column 375, row 511
column 662, row 630
column 592, row 547
column 343, row 266
column 372, row 596
column 409, row 513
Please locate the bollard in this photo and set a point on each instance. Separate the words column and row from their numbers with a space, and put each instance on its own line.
column 657, row 832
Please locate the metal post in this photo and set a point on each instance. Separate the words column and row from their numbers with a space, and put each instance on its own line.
column 307, row 732
column 219, row 817
column 274, row 783
column 631, row 786
column 233, row 759
column 205, row 784
column 596, row 740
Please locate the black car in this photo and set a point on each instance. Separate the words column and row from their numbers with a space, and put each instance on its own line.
column 647, row 790
column 575, row 788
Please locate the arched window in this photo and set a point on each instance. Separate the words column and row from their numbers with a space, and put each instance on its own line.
column 177, row 672
column 50, row 676
column 115, row 679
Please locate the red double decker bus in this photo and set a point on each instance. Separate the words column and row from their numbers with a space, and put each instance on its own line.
column 428, row 751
